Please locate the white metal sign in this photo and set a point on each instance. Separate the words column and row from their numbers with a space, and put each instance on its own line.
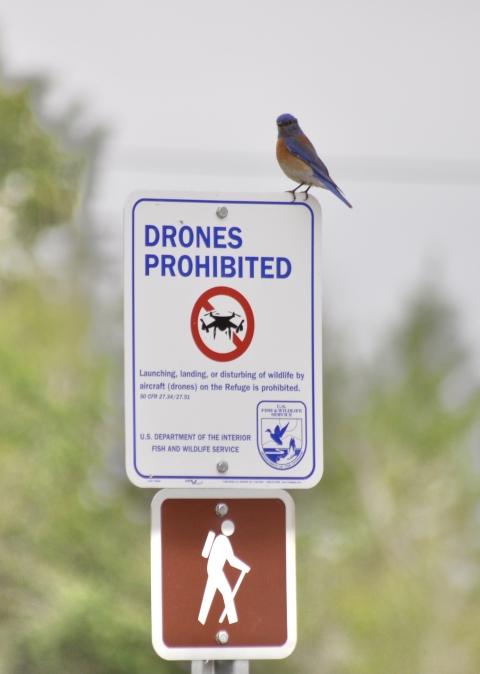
column 223, row 574
column 223, row 340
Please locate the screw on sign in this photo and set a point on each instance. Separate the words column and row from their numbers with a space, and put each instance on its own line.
column 222, row 324
column 223, row 587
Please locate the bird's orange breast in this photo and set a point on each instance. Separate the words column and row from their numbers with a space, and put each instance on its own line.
column 292, row 166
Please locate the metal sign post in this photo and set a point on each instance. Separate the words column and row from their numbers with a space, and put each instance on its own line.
column 220, row 667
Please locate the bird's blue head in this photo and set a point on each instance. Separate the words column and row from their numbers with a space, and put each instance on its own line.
column 287, row 125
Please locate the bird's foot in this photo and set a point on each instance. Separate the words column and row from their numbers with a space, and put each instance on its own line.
column 305, row 192
column 294, row 190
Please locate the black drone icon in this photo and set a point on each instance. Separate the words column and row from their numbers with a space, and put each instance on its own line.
column 222, row 323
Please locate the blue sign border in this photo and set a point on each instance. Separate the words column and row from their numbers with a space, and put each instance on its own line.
column 277, row 478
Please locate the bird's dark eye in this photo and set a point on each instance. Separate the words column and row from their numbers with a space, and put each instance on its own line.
column 289, row 122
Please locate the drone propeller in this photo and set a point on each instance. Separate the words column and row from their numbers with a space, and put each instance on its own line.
column 214, row 313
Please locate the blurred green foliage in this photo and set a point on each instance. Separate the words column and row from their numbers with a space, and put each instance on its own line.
column 389, row 546
column 388, row 543
column 74, row 565
column 39, row 182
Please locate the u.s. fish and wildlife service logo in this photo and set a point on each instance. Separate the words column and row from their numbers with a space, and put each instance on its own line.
column 281, row 433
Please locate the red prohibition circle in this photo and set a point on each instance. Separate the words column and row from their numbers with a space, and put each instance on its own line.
column 241, row 345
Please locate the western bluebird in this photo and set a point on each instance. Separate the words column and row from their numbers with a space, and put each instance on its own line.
column 299, row 161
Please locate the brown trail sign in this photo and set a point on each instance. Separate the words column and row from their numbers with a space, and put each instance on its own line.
column 223, row 574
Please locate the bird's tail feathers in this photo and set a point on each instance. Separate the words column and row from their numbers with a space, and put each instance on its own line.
column 339, row 194
column 330, row 185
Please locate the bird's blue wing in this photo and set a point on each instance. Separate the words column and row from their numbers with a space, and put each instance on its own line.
column 283, row 430
column 301, row 147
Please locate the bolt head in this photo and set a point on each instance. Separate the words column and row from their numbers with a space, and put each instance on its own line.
column 222, row 466
column 221, row 637
column 221, row 509
column 222, row 212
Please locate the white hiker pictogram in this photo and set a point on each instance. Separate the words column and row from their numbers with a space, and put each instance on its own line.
column 218, row 551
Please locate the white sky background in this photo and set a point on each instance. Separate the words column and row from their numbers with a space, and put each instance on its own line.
column 389, row 93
